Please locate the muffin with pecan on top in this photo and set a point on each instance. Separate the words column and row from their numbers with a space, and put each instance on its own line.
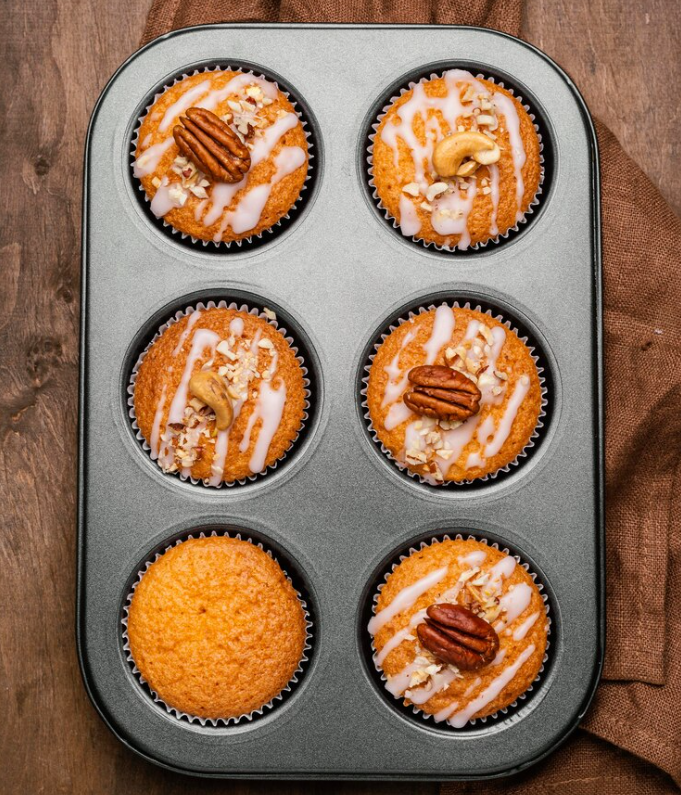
column 222, row 155
column 453, row 394
column 459, row 630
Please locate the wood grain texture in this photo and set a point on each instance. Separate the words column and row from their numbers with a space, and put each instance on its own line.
column 57, row 58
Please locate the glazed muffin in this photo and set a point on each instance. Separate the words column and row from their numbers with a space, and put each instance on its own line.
column 222, row 156
column 453, row 394
column 456, row 161
column 460, row 630
column 219, row 395
column 215, row 628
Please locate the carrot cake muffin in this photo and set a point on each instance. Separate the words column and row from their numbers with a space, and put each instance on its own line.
column 215, row 628
column 456, row 161
column 459, row 631
column 222, row 156
column 219, row 396
column 453, row 394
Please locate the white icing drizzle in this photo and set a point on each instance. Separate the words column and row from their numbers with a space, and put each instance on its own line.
column 475, row 683
column 195, row 315
column 526, row 626
column 522, row 387
column 499, row 658
column 217, row 468
column 396, row 380
column 475, row 558
column 148, row 161
column 507, row 107
column 202, row 339
column 444, row 713
column 247, row 214
column 514, row 603
column 162, row 202
column 270, row 407
column 443, row 328
column 410, row 223
column 503, row 569
column 236, row 326
column 405, row 599
column 156, row 428
column 439, row 681
column 494, row 195
column 451, row 211
column 460, row 719
column 186, row 100
column 400, row 682
column 400, row 636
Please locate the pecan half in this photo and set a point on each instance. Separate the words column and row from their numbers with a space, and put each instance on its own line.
column 442, row 393
column 455, row 635
column 212, row 145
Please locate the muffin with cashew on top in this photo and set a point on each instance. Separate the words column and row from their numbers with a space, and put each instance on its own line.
column 454, row 394
column 459, row 631
column 219, row 396
column 456, row 161
column 222, row 155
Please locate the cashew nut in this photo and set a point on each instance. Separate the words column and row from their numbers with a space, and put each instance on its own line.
column 451, row 151
column 212, row 390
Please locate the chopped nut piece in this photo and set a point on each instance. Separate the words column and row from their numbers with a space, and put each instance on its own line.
column 411, row 189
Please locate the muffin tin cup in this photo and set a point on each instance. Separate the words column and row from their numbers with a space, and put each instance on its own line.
column 231, row 721
column 501, row 714
column 222, row 304
column 430, row 244
column 542, row 419
column 226, row 245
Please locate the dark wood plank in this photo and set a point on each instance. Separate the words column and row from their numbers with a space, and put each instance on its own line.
column 57, row 58
column 624, row 58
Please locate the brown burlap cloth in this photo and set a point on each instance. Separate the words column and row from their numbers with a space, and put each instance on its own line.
column 630, row 740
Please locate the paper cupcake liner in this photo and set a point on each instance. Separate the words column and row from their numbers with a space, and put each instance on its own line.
column 222, row 304
column 223, row 245
column 500, row 714
column 430, row 244
column 536, row 433
column 272, row 703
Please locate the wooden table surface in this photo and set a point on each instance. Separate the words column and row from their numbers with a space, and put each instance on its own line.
column 623, row 55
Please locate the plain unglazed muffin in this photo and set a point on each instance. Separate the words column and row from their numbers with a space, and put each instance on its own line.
column 456, row 160
column 487, row 394
column 460, row 630
column 215, row 628
column 219, row 396
column 260, row 118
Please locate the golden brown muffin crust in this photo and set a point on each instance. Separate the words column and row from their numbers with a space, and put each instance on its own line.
column 215, row 627
column 470, row 684
column 514, row 361
column 162, row 371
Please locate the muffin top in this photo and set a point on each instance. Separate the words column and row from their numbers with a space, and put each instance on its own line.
column 459, row 630
column 453, row 394
column 235, row 120
column 219, row 396
column 456, row 160
column 216, row 628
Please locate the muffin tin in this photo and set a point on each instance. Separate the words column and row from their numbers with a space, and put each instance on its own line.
column 336, row 509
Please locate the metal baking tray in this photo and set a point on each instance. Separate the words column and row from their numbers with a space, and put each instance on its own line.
column 337, row 510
